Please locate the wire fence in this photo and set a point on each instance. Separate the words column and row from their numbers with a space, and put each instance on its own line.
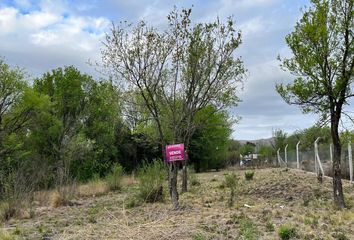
column 317, row 159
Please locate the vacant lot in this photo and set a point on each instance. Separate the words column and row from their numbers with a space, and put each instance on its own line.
column 275, row 197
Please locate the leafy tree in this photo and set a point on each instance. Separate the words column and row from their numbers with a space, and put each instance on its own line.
column 308, row 136
column 234, row 151
column 13, row 117
column 18, row 105
column 323, row 63
column 210, row 142
column 177, row 73
column 279, row 139
column 68, row 90
column 247, row 148
column 265, row 151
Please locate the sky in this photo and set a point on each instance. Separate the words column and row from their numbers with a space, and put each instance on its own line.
column 42, row 35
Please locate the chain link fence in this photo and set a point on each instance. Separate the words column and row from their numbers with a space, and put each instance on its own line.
column 317, row 159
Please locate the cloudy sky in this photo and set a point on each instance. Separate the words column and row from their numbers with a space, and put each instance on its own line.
column 40, row 35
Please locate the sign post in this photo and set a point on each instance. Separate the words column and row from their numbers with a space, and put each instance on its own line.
column 175, row 153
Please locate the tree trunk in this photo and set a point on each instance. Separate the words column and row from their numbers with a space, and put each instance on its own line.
column 173, row 171
column 184, row 177
column 185, row 171
column 337, row 177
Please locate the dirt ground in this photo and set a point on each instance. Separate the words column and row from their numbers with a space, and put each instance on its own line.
column 275, row 197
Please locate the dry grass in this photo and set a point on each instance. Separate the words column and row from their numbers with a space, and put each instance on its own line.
column 4, row 235
column 92, row 189
column 273, row 198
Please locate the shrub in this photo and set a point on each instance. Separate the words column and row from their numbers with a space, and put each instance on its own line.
column 63, row 195
column 287, row 232
column 193, row 179
column 151, row 177
column 114, row 178
column 248, row 229
column 7, row 210
column 231, row 182
column 249, row 175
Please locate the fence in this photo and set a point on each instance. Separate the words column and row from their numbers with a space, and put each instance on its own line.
column 317, row 159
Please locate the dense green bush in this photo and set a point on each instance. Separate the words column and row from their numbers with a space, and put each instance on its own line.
column 287, row 232
column 151, row 177
column 249, row 175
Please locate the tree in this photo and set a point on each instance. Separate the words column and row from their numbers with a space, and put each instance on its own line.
column 12, row 117
column 279, row 139
column 210, row 142
column 68, row 90
column 177, row 73
column 18, row 106
column 323, row 63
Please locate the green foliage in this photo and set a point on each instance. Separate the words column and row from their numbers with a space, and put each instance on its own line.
column 234, row 152
column 247, row 149
column 287, row 232
column 199, row 236
column 324, row 75
column 248, row 229
column 114, row 178
column 249, row 175
column 151, row 177
column 231, row 181
column 279, row 138
column 210, row 143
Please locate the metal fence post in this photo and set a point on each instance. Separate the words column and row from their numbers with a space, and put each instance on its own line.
column 278, row 155
column 297, row 155
column 318, row 160
column 286, row 154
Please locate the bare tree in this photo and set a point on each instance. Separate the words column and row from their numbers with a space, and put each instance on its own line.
column 177, row 72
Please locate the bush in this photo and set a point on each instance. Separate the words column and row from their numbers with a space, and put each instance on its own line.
column 193, row 179
column 248, row 230
column 287, row 232
column 249, row 175
column 114, row 178
column 151, row 177
column 7, row 210
column 231, row 182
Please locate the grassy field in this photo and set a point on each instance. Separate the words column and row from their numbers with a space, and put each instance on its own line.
column 289, row 201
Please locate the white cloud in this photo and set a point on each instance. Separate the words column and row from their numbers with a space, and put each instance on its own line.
column 7, row 20
column 254, row 26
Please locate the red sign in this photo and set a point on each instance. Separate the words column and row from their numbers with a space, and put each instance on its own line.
column 175, row 152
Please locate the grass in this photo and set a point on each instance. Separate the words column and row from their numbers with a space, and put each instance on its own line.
column 249, row 175
column 151, row 178
column 262, row 207
column 287, row 232
column 114, row 178
column 4, row 235
column 93, row 189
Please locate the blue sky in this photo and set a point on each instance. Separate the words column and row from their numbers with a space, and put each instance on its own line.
column 42, row 35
